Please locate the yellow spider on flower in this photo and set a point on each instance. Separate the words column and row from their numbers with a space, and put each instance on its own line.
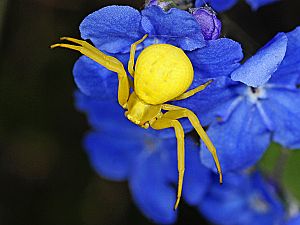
column 162, row 73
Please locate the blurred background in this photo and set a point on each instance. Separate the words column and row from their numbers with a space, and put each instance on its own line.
column 44, row 173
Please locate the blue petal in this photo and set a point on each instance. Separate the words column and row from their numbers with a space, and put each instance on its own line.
column 218, row 5
column 249, row 198
column 176, row 27
column 113, row 28
column 283, row 109
column 259, row 68
column 219, row 58
column 197, row 177
column 151, row 187
column 93, row 79
column 222, row 201
column 108, row 116
column 289, row 70
column 255, row 4
column 208, row 103
column 110, row 155
column 240, row 141
column 294, row 221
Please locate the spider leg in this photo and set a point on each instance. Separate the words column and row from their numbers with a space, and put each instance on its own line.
column 163, row 123
column 107, row 61
column 192, row 92
column 132, row 54
column 176, row 112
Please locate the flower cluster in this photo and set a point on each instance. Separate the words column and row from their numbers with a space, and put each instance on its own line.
column 146, row 153
column 246, row 107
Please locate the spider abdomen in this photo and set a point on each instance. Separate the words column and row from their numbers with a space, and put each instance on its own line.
column 162, row 73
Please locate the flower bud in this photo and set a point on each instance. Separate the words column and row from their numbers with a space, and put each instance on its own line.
column 210, row 25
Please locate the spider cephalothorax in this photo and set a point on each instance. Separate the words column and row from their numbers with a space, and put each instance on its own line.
column 162, row 73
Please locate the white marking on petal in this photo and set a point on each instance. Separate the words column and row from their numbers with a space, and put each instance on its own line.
column 264, row 116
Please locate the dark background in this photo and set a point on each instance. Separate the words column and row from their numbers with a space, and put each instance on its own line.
column 44, row 173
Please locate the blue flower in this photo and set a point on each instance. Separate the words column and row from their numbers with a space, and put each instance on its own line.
column 222, row 5
column 119, row 150
column 242, row 200
column 260, row 103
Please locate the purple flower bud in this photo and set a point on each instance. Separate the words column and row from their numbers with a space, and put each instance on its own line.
column 210, row 25
column 161, row 3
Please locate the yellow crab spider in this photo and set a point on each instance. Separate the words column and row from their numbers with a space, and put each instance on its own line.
column 162, row 73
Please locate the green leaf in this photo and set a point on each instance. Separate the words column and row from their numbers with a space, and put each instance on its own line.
column 283, row 166
column 268, row 162
column 291, row 174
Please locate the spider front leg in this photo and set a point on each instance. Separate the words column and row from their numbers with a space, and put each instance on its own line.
column 193, row 91
column 107, row 61
column 163, row 123
column 132, row 54
column 176, row 112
